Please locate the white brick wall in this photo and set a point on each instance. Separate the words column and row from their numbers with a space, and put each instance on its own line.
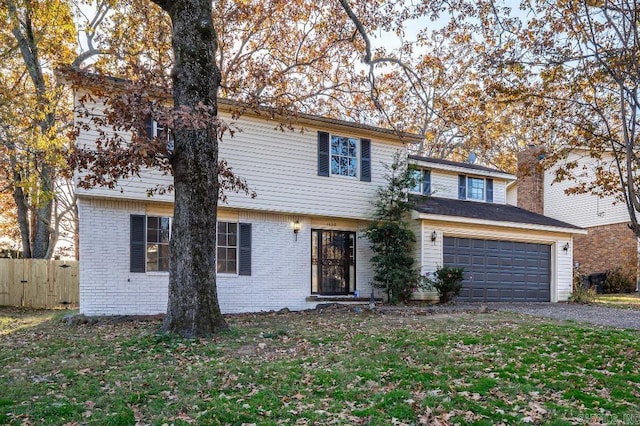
column 281, row 266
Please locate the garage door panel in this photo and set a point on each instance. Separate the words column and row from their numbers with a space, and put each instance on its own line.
column 500, row 270
column 478, row 261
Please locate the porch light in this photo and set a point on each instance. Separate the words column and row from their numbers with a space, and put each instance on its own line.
column 434, row 235
column 566, row 248
column 296, row 228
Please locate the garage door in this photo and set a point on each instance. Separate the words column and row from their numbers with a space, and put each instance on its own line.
column 501, row 270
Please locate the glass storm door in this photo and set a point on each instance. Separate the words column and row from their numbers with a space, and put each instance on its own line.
column 333, row 262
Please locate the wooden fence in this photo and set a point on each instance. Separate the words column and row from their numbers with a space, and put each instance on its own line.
column 37, row 283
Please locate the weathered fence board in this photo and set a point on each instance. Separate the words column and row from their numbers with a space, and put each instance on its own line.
column 38, row 283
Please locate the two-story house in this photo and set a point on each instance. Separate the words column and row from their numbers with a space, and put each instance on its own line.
column 609, row 242
column 300, row 241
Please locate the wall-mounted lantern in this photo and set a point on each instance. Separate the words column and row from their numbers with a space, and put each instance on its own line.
column 434, row 236
column 566, row 248
column 296, row 228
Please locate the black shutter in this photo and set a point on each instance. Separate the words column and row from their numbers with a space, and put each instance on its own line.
column 489, row 194
column 426, row 182
column 148, row 126
column 323, row 154
column 244, row 266
column 365, row 160
column 462, row 187
column 138, row 243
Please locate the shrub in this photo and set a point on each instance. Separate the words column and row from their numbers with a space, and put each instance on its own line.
column 580, row 293
column 447, row 281
column 618, row 281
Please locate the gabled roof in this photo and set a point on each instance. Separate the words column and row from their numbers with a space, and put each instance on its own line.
column 460, row 166
column 492, row 212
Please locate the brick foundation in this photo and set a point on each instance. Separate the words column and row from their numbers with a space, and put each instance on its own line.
column 607, row 247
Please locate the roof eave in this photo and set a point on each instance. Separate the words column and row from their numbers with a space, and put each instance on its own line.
column 504, row 224
column 463, row 169
column 230, row 106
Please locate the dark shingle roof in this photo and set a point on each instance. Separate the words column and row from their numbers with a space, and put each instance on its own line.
column 457, row 163
column 485, row 211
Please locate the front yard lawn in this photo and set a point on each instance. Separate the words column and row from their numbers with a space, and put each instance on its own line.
column 628, row 301
column 325, row 367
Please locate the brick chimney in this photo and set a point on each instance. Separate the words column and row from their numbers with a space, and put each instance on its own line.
column 531, row 179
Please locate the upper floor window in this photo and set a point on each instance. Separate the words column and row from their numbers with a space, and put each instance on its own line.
column 344, row 156
column 421, row 180
column 154, row 129
column 475, row 188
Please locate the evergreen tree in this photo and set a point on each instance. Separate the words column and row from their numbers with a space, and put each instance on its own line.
column 391, row 239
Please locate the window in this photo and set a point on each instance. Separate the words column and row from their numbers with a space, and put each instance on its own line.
column 149, row 245
column 344, row 156
column 422, row 182
column 475, row 188
column 154, row 130
column 158, row 235
column 227, row 256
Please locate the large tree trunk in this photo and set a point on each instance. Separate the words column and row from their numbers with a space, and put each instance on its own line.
column 193, row 308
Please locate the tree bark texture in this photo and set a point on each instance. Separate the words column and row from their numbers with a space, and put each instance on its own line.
column 37, row 231
column 193, row 309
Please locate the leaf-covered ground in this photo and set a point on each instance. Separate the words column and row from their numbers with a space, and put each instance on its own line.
column 327, row 367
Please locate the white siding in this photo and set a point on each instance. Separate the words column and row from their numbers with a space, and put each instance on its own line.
column 444, row 184
column 281, row 167
column 428, row 254
column 281, row 266
column 584, row 210
column 512, row 195
column 561, row 261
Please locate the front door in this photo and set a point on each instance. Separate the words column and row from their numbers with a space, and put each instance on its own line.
column 333, row 262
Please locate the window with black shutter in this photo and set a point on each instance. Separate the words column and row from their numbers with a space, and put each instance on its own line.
column 149, row 245
column 344, row 156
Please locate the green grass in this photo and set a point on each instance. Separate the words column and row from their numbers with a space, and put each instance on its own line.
column 627, row 301
column 329, row 367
